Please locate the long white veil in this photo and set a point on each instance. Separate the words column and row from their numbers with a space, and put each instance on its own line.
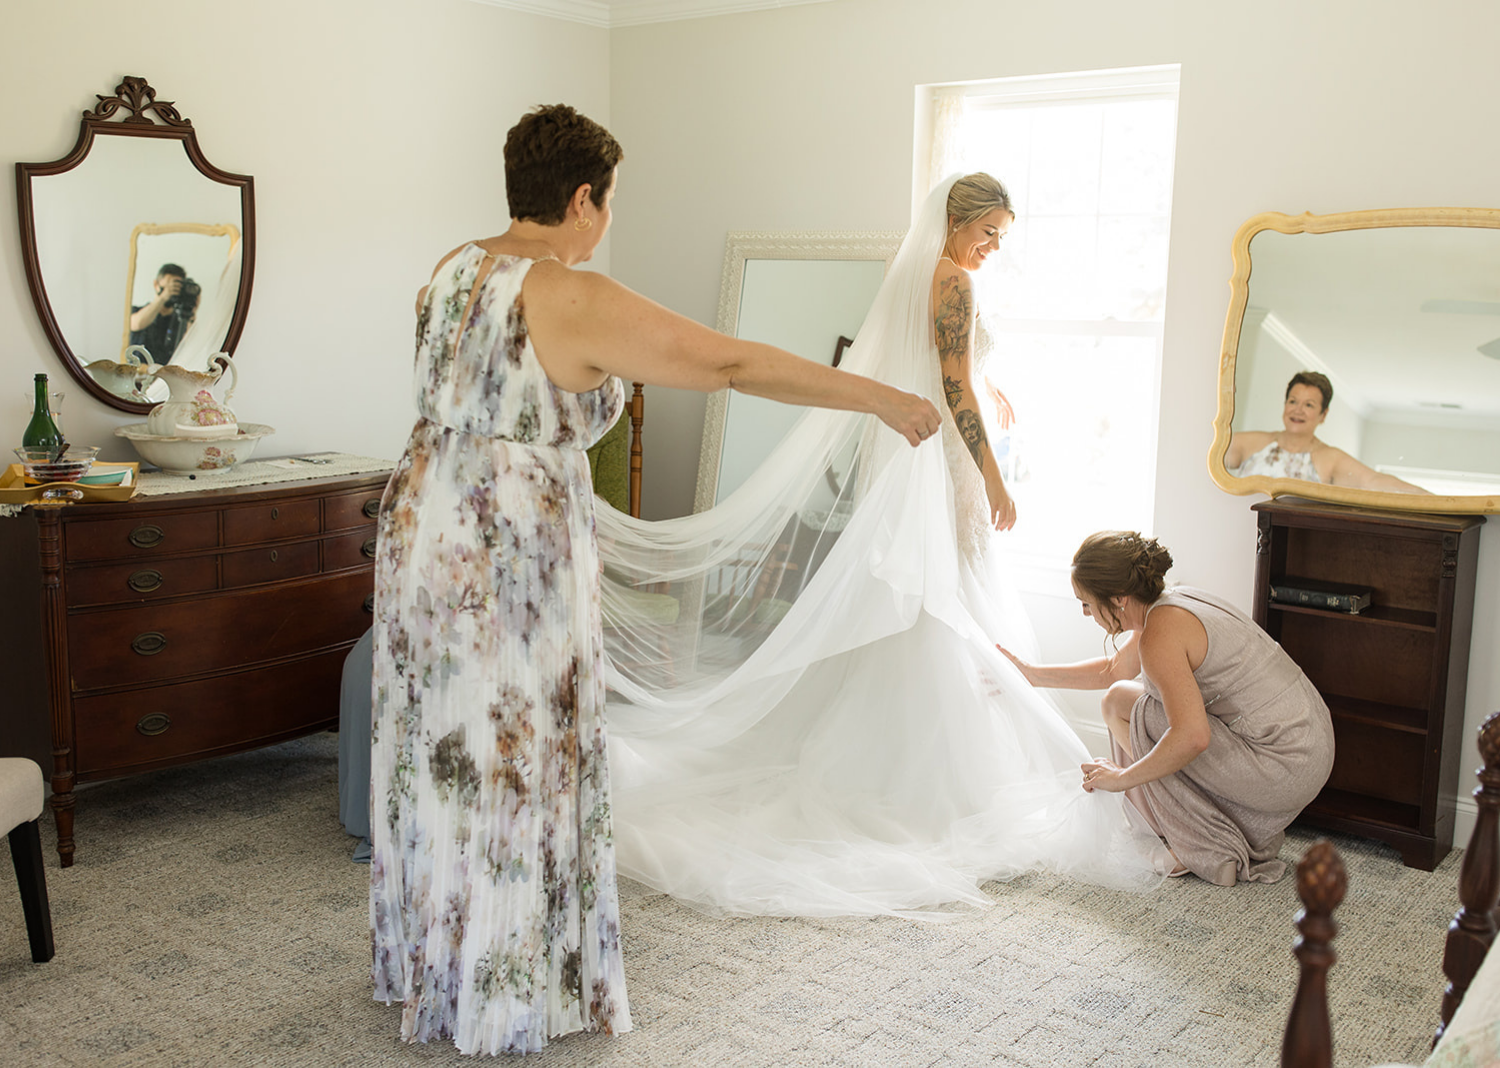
column 807, row 713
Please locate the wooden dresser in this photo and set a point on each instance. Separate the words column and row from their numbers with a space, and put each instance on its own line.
column 169, row 629
column 1394, row 676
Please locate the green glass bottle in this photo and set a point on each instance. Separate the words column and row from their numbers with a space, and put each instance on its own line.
column 42, row 431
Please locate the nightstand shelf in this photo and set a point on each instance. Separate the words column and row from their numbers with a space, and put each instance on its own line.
column 1393, row 675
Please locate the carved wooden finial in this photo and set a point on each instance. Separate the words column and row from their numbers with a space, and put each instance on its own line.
column 1321, row 881
column 1472, row 931
column 136, row 96
column 1321, row 884
column 1489, row 747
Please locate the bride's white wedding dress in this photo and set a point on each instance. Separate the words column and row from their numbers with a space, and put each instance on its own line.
column 808, row 715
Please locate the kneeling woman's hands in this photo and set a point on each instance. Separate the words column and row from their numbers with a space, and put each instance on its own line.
column 1102, row 775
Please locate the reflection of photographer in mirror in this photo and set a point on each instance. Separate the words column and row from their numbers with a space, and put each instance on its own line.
column 1295, row 451
column 159, row 325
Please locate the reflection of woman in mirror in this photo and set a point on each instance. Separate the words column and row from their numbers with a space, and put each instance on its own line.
column 1219, row 740
column 1295, row 451
column 159, row 324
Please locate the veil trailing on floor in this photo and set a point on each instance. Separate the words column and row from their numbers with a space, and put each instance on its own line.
column 807, row 712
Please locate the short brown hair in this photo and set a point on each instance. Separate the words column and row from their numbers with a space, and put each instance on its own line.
column 1120, row 563
column 550, row 153
column 1312, row 378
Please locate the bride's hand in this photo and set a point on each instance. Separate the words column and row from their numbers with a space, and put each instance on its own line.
column 1002, row 507
column 912, row 416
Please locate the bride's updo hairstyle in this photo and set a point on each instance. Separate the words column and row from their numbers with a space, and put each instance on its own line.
column 1120, row 563
column 973, row 197
column 550, row 153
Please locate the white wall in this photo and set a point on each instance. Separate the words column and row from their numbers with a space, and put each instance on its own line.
column 374, row 130
column 802, row 119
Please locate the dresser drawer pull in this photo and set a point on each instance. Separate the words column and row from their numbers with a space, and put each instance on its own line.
column 154, row 723
column 372, row 507
column 147, row 536
column 150, row 643
column 275, row 513
column 370, row 603
column 144, row 581
column 274, row 556
column 368, row 548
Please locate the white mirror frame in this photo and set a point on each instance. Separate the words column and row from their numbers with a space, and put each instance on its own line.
column 748, row 245
column 1239, row 297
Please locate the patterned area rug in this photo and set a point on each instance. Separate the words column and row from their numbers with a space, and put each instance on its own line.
column 214, row 918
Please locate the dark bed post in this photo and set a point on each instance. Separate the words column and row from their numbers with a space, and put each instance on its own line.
column 1320, row 884
column 1473, row 927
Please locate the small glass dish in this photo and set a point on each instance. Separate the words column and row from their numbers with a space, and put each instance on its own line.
column 43, row 464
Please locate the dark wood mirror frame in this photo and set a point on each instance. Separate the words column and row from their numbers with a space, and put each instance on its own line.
column 147, row 117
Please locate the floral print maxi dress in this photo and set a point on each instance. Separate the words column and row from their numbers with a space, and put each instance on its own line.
column 492, row 883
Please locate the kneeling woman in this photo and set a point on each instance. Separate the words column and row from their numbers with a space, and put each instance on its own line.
column 1219, row 739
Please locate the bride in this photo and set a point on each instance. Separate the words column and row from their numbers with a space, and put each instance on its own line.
column 808, row 714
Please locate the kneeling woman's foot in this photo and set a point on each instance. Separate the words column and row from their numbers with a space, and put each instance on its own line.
column 1178, row 868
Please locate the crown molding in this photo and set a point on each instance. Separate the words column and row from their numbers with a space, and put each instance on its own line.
column 611, row 14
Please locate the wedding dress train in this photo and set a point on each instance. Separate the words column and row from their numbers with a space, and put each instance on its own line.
column 807, row 712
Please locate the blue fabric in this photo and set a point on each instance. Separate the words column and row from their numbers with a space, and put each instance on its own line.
column 354, row 743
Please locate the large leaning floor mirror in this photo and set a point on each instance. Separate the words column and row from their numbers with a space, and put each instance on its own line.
column 804, row 292
column 1396, row 315
column 139, row 252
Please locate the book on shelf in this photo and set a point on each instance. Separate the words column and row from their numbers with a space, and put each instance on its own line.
column 1310, row 593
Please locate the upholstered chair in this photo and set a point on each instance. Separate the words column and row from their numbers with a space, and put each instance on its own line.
column 22, row 797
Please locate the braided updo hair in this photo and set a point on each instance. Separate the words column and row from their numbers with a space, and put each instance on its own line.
column 1120, row 563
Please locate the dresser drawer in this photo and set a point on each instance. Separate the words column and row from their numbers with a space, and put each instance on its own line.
column 349, row 550
column 141, row 580
column 250, row 567
column 167, row 724
column 110, row 539
column 352, row 509
column 154, row 643
column 269, row 522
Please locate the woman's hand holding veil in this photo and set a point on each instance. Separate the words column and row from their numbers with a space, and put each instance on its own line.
column 911, row 415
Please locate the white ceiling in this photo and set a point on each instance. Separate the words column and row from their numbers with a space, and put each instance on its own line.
column 612, row 13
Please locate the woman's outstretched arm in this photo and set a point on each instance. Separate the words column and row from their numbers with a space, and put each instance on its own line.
column 1097, row 674
column 586, row 326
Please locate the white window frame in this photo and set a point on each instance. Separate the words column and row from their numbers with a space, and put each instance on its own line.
column 1039, row 573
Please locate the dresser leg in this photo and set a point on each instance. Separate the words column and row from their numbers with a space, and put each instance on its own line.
column 1424, row 856
column 62, row 814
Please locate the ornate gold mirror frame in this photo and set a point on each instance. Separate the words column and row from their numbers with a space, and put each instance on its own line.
column 1240, row 291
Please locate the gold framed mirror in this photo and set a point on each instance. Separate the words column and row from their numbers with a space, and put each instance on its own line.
column 1396, row 315
column 135, row 178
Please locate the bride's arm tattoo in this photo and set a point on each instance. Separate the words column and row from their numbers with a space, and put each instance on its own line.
column 952, row 325
column 971, row 428
column 954, row 318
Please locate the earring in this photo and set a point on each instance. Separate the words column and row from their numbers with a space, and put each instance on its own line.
column 580, row 224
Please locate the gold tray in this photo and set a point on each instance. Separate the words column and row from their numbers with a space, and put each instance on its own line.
column 14, row 490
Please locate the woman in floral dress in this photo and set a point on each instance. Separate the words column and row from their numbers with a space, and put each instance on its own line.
column 493, row 908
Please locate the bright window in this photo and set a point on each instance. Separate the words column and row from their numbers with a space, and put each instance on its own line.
column 1075, row 299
